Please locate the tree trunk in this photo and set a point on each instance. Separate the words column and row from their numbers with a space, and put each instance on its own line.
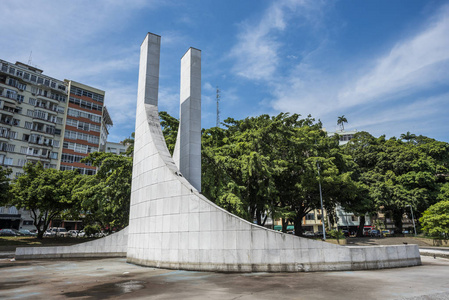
column 361, row 226
column 298, row 225
column 284, row 225
column 397, row 217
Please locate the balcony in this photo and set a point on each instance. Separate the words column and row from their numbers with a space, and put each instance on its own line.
column 51, row 108
column 47, row 98
column 38, row 144
column 10, row 110
column 38, row 157
column 7, row 120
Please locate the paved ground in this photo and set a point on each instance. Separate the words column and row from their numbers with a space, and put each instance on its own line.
column 115, row 279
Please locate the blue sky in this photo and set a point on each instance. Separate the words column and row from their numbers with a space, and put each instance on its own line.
column 382, row 64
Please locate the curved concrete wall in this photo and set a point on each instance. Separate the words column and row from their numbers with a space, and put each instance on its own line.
column 114, row 245
column 173, row 226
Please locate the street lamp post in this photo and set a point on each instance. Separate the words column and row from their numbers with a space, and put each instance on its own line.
column 321, row 199
column 413, row 218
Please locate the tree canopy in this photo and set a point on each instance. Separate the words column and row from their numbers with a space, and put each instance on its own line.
column 435, row 220
column 45, row 192
column 104, row 198
column 266, row 165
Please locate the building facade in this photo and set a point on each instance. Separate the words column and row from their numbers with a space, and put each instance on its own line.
column 86, row 126
column 56, row 122
column 115, row 148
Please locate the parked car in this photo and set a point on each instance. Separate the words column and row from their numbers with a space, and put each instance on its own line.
column 27, row 232
column 9, row 232
column 319, row 234
column 73, row 233
column 375, row 233
column 346, row 233
column 48, row 232
column 386, row 233
column 57, row 232
column 309, row 234
column 366, row 231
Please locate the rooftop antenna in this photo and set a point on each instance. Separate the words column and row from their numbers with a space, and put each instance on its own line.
column 218, row 108
column 29, row 59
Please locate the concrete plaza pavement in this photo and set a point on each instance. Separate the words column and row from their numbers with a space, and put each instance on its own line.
column 113, row 278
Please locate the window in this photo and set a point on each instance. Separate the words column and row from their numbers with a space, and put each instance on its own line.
column 81, row 148
column 12, row 70
column 19, row 73
column 4, row 132
column 27, row 223
column 26, row 76
column 53, row 84
column 54, row 155
column 354, row 218
column 33, row 78
column 32, row 101
column 28, row 125
column 10, row 148
column 40, row 80
column 47, row 82
column 72, row 122
column 21, row 162
column 310, row 216
column 25, row 137
column 23, row 150
column 20, row 98
column 8, row 161
column 30, row 112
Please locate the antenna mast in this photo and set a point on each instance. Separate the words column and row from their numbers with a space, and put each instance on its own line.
column 29, row 59
column 218, row 108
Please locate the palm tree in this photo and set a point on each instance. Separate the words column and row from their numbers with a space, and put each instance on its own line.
column 341, row 120
column 408, row 136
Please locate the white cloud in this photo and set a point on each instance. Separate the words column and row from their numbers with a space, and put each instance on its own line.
column 411, row 65
column 256, row 52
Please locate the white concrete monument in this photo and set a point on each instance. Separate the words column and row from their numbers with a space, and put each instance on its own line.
column 187, row 154
column 173, row 226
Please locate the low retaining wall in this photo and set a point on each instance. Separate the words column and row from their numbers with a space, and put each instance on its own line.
column 114, row 245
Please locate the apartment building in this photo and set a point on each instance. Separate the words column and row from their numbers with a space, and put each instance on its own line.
column 32, row 111
column 57, row 122
column 116, row 148
column 86, row 126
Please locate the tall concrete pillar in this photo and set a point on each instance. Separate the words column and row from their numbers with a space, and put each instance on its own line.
column 187, row 154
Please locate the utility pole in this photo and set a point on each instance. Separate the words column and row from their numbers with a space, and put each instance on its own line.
column 217, row 124
column 321, row 199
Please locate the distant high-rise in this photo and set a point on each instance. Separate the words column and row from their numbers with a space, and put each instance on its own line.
column 86, row 126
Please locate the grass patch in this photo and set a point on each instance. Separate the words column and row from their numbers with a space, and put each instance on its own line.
column 9, row 243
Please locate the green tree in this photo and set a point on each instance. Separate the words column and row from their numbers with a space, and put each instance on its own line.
column 435, row 220
column 266, row 165
column 105, row 197
column 169, row 126
column 408, row 136
column 45, row 192
column 5, row 185
column 397, row 174
column 341, row 121
column 129, row 142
